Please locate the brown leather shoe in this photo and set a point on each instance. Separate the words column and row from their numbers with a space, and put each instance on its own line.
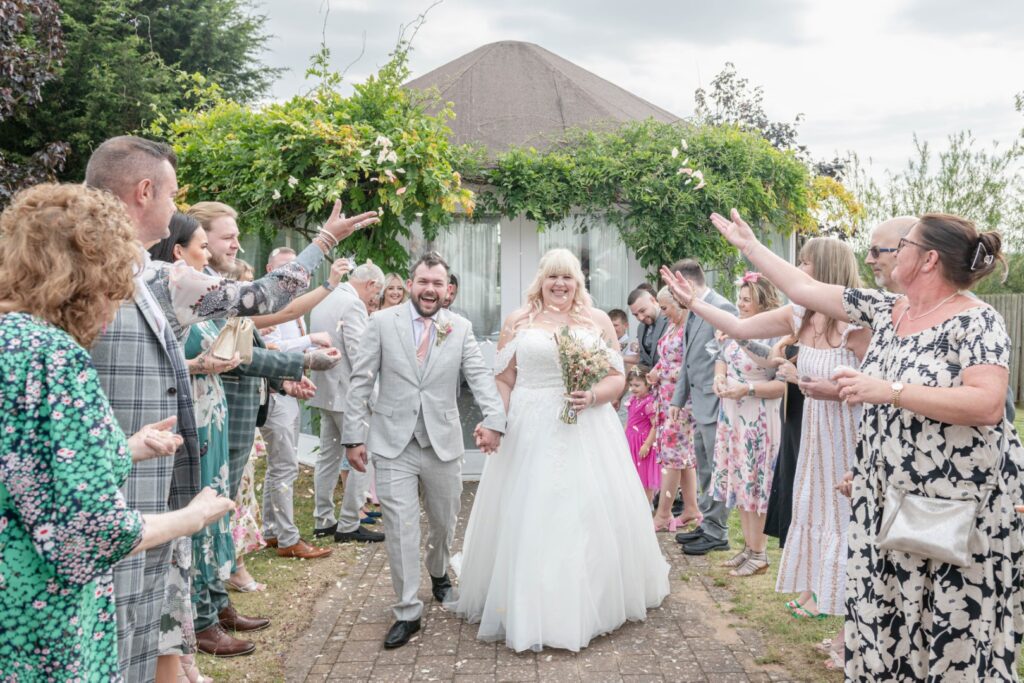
column 271, row 542
column 215, row 641
column 303, row 550
column 231, row 619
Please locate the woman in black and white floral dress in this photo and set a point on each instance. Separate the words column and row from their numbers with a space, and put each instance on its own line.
column 933, row 385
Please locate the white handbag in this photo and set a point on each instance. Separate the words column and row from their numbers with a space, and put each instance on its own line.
column 235, row 337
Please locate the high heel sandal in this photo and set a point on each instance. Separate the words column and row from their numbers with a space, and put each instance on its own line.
column 685, row 522
column 671, row 526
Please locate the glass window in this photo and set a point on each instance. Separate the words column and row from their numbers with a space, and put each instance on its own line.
column 602, row 254
column 473, row 252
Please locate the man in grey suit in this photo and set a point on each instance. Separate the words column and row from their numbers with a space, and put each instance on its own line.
column 695, row 383
column 644, row 307
column 414, row 432
column 343, row 316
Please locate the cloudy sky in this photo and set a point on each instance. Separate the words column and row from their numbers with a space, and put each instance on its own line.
column 866, row 75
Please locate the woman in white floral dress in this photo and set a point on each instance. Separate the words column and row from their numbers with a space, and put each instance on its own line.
column 933, row 385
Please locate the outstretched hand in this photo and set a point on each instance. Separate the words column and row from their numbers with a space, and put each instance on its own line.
column 856, row 387
column 341, row 227
column 155, row 440
column 680, row 287
column 736, row 230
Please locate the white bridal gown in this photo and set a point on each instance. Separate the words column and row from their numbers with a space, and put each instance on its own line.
column 560, row 545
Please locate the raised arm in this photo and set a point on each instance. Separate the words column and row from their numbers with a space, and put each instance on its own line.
column 800, row 287
column 302, row 305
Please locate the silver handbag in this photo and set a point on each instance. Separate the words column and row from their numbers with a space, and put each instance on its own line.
column 939, row 529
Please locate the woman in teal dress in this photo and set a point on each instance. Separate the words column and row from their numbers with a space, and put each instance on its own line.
column 67, row 258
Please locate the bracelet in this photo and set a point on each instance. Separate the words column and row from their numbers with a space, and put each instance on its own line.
column 750, row 388
column 328, row 286
column 593, row 397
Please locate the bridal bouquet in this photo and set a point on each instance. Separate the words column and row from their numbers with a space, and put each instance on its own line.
column 583, row 365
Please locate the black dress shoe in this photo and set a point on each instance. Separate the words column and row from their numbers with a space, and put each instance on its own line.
column 360, row 534
column 326, row 531
column 441, row 587
column 400, row 632
column 705, row 545
column 690, row 536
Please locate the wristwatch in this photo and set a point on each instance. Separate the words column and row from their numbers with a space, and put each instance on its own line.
column 351, row 445
column 750, row 389
column 897, row 389
column 327, row 285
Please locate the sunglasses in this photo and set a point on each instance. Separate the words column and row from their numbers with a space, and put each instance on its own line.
column 875, row 252
column 904, row 242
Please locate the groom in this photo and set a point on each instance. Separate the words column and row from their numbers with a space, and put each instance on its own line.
column 414, row 432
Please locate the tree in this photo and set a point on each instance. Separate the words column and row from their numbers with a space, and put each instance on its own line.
column 984, row 185
column 731, row 100
column 220, row 39
column 284, row 164
column 31, row 47
column 657, row 183
column 122, row 68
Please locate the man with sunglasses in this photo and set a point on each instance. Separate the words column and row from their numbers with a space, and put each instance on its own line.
column 886, row 239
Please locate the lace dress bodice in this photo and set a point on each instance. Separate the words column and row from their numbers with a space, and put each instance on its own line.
column 535, row 354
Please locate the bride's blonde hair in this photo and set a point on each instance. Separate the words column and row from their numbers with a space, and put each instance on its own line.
column 559, row 262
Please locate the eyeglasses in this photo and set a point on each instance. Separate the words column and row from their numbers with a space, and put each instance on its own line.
column 904, row 241
column 875, row 252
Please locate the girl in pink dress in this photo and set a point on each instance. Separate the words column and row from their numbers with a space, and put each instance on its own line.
column 640, row 430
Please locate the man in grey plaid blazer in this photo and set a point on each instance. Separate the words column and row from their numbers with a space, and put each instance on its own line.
column 142, row 370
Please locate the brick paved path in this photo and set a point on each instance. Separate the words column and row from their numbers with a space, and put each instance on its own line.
column 687, row 639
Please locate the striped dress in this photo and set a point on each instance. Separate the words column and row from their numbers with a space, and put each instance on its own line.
column 814, row 558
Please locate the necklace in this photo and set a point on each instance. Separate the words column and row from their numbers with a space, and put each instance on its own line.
column 913, row 318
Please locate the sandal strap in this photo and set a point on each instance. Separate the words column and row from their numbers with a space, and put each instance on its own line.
column 752, row 565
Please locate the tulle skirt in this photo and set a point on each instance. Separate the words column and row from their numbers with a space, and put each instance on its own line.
column 560, row 546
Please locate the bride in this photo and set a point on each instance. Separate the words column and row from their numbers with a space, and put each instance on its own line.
column 559, row 547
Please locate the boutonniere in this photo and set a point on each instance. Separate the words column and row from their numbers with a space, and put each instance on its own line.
column 444, row 328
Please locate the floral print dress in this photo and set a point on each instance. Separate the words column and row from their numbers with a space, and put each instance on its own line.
column 748, row 436
column 674, row 439
column 213, row 552
column 63, row 521
column 910, row 618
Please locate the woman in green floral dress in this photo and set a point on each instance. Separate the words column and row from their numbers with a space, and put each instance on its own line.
column 67, row 257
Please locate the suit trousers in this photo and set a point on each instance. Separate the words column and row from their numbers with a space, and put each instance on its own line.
column 325, row 478
column 281, row 433
column 399, row 482
column 716, row 514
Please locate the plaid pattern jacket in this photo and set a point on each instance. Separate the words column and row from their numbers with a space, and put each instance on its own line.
column 242, row 388
column 145, row 378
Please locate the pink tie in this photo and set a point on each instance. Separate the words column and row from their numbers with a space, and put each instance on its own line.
column 421, row 352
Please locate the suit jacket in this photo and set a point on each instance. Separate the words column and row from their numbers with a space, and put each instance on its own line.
column 343, row 316
column 242, row 388
column 144, row 375
column 697, row 376
column 407, row 390
column 651, row 358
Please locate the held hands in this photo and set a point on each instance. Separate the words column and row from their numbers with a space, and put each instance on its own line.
column 340, row 227
column 487, row 440
column 736, row 231
column 209, row 507
column 357, row 457
column 673, row 413
column 653, row 377
column 303, row 388
column 856, row 387
column 155, row 440
column 321, row 359
column 339, row 269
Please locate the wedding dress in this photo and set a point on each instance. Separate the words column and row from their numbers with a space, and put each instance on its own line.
column 560, row 546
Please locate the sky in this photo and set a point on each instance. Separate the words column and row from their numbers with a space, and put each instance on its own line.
column 866, row 75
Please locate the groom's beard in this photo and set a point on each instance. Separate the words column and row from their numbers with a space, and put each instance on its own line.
column 417, row 303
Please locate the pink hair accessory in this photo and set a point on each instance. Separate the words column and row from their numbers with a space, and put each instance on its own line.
column 749, row 277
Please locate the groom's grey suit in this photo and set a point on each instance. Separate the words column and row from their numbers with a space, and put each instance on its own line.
column 414, row 434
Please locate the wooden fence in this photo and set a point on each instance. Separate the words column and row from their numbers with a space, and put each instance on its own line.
column 1011, row 307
